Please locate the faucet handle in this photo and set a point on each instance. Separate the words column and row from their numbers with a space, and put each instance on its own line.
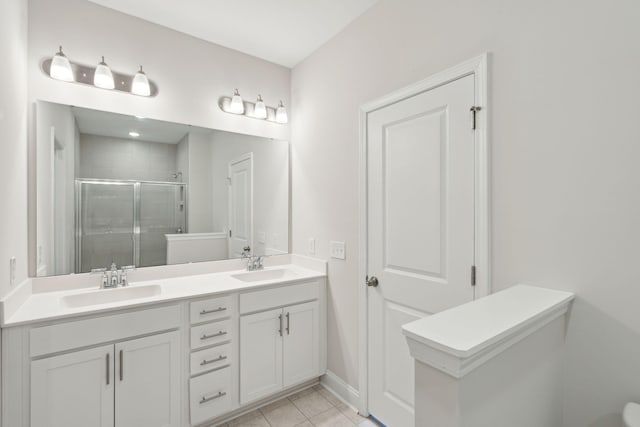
column 114, row 267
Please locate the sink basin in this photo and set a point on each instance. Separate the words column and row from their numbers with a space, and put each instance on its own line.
column 106, row 296
column 257, row 276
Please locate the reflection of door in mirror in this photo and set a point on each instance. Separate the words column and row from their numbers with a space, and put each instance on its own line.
column 240, row 205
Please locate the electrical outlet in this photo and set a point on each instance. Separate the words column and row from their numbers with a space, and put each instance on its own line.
column 338, row 250
column 12, row 271
column 311, row 248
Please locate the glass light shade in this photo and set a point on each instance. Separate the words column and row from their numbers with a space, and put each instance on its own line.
column 281, row 114
column 237, row 105
column 103, row 77
column 61, row 67
column 260, row 110
column 140, row 85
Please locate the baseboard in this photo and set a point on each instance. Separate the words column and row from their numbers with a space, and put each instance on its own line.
column 341, row 389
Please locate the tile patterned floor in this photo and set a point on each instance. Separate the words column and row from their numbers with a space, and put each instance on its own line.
column 313, row 407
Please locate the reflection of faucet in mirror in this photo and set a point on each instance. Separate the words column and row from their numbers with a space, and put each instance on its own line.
column 246, row 252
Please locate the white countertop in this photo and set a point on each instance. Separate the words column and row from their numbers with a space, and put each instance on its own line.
column 45, row 306
column 459, row 339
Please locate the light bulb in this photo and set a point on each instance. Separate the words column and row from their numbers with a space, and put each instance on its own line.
column 103, row 77
column 61, row 67
column 281, row 114
column 140, row 85
column 237, row 105
column 260, row 110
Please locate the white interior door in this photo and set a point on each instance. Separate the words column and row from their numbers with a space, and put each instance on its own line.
column 74, row 389
column 420, row 196
column 148, row 381
column 240, row 205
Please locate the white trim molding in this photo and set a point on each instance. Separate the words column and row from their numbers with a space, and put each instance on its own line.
column 195, row 236
column 479, row 69
column 341, row 389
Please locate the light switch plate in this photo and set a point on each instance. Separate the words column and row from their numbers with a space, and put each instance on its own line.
column 338, row 250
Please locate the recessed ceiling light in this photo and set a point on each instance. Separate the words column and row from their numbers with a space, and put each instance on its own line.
column 134, row 134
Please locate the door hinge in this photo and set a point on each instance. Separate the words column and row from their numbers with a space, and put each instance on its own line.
column 473, row 275
column 230, row 234
column 474, row 112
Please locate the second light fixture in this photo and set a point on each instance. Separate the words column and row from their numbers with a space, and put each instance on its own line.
column 236, row 105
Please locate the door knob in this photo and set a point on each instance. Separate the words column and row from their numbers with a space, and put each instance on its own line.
column 372, row 281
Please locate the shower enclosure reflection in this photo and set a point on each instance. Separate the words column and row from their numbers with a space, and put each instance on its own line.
column 135, row 191
column 126, row 222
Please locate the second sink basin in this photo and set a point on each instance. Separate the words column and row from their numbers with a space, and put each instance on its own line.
column 260, row 275
column 106, row 296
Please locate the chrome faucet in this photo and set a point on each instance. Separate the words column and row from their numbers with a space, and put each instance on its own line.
column 254, row 263
column 113, row 278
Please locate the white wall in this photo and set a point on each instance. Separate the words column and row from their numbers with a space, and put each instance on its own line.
column 564, row 151
column 13, row 139
column 200, row 182
column 191, row 74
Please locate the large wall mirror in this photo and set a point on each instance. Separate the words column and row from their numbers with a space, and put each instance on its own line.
column 142, row 192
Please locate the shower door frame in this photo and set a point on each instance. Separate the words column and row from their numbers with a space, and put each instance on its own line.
column 135, row 235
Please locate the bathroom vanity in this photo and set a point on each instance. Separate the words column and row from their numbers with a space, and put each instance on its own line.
column 187, row 350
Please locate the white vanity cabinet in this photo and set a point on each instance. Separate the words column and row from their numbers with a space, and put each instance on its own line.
column 279, row 347
column 139, row 378
column 82, row 380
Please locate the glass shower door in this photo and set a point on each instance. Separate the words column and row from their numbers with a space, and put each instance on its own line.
column 162, row 211
column 106, row 224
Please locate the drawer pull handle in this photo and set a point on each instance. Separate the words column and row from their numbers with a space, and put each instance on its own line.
column 215, row 396
column 217, row 359
column 215, row 310
column 108, row 368
column 206, row 337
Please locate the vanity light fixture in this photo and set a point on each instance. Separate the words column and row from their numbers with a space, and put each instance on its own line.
column 103, row 78
column 281, row 114
column 140, row 85
column 260, row 110
column 61, row 67
column 134, row 134
column 237, row 104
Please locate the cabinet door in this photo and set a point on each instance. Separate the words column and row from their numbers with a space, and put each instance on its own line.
column 260, row 354
column 73, row 390
column 301, row 342
column 147, row 377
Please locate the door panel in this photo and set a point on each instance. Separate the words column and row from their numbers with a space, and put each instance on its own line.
column 420, row 195
column 301, row 343
column 240, row 205
column 260, row 354
column 73, row 390
column 148, row 381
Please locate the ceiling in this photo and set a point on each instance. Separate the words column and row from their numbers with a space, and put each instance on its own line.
column 281, row 31
column 114, row 125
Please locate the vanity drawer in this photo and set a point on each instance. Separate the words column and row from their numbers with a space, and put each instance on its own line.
column 211, row 358
column 210, row 395
column 210, row 334
column 211, row 309
column 279, row 297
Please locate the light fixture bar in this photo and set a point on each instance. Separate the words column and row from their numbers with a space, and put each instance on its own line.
column 84, row 76
column 249, row 110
